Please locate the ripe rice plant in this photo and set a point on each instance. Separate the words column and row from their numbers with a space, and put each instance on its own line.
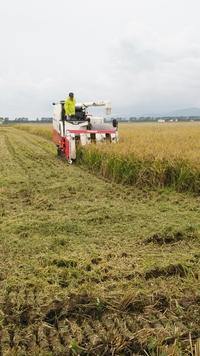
column 150, row 155
column 178, row 174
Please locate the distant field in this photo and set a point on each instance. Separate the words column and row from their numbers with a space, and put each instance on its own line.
column 90, row 267
column 147, row 155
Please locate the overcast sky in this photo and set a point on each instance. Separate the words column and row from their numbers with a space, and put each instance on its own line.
column 144, row 55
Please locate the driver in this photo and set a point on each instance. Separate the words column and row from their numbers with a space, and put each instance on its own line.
column 69, row 107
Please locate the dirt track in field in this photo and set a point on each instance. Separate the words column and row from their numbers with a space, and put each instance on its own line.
column 89, row 267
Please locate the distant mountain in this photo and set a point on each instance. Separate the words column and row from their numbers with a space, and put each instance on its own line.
column 185, row 112
column 139, row 112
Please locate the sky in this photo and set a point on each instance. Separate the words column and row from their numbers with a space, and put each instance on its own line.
column 142, row 55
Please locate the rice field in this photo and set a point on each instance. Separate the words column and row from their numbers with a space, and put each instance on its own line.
column 161, row 141
column 170, row 141
column 88, row 266
column 147, row 155
column 153, row 140
column 150, row 155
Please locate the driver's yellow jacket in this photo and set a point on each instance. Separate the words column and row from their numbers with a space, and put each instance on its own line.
column 69, row 106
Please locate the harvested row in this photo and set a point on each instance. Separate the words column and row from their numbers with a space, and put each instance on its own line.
column 42, row 130
column 84, row 325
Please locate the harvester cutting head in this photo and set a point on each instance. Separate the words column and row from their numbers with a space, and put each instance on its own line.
column 82, row 129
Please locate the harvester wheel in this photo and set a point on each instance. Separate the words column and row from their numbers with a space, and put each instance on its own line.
column 59, row 151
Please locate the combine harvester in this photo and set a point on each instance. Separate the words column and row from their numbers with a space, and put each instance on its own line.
column 82, row 130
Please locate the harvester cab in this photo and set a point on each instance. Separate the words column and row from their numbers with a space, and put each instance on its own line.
column 83, row 129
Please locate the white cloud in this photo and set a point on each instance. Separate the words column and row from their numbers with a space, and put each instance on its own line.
column 143, row 54
column 156, row 70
